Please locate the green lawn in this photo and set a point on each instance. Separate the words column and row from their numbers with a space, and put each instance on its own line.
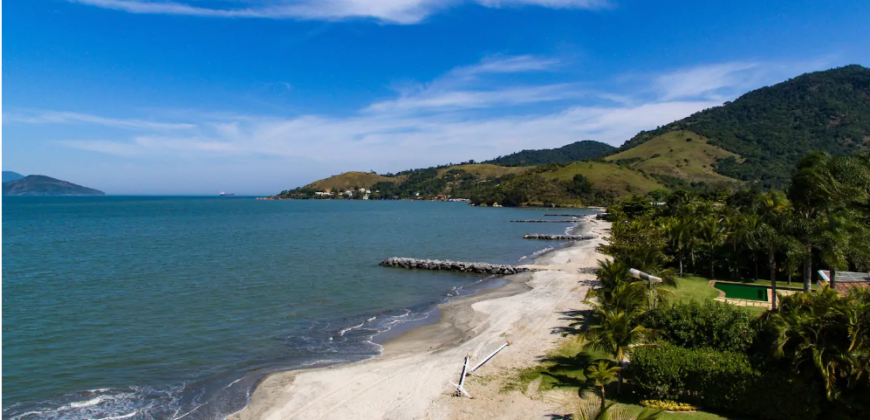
column 697, row 415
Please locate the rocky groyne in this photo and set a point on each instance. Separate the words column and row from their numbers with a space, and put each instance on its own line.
column 542, row 236
column 447, row 265
column 563, row 215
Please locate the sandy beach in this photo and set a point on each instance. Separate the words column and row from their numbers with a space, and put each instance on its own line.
column 411, row 379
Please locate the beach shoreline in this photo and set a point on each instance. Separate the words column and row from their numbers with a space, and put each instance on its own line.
column 410, row 379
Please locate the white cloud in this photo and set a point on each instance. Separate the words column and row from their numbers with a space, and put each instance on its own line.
column 468, row 113
column 52, row 117
column 707, row 81
column 393, row 11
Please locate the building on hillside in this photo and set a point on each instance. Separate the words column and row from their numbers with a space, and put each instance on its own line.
column 845, row 280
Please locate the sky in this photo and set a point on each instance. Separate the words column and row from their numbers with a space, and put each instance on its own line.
column 258, row 96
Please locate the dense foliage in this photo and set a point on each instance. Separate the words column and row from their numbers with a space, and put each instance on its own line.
column 814, row 343
column 721, row 381
column 773, row 127
column 586, row 149
column 712, row 324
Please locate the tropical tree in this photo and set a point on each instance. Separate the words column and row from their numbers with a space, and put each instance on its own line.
column 823, row 336
column 710, row 231
column 600, row 375
column 617, row 335
column 680, row 238
column 588, row 410
column 822, row 185
column 841, row 236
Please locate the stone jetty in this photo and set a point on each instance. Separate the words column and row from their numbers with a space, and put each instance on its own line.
column 545, row 221
column 447, row 265
column 563, row 215
column 559, row 237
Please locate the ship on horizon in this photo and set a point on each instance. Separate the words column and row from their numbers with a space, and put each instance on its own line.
column 225, row 194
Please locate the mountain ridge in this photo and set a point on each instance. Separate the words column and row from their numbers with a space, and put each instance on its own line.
column 41, row 185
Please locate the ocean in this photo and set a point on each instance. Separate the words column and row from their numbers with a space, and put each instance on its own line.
column 174, row 307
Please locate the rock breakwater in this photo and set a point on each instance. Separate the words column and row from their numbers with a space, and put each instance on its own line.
column 448, row 265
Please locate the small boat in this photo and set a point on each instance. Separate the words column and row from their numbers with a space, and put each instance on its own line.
column 223, row 194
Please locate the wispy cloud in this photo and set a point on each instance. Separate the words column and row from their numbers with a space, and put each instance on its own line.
column 52, row 117
column 461, row 115
column 393, row 11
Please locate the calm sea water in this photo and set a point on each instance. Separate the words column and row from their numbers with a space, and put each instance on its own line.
column 132, row 307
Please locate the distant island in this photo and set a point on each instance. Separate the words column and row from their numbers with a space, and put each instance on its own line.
column 41, row 185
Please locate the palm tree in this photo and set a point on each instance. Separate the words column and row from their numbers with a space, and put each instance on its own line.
column 628, row 297
column 841, row 235
column 710, row 231
column 679, row 238
column 588, row 410
column 821, row 185
column 771, row 233
column 616, row 335
column 601, row 375
column 813, row 332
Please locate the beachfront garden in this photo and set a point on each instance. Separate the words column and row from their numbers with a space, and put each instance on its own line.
column 670, row 343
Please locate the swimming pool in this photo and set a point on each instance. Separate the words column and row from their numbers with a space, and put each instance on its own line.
column 743, row 291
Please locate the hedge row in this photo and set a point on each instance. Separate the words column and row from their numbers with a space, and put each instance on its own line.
column 720, row 381
column 711, row 324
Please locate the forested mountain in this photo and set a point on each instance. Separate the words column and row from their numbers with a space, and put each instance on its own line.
column 757, row 138
column 585, row 149
column 772, row 127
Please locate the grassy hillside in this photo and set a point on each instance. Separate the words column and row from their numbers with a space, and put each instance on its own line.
column 586, row 149
column 772, row 127
column 681, row 154
column 349, row 180
column 484, row 170
column 610, row 177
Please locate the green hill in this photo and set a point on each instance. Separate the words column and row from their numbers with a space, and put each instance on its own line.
column 772, row 127
column 585, row 149
column 33, row 185
column 678, row 154
column 347, row 180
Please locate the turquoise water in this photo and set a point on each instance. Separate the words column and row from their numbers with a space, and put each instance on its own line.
column 130, row 307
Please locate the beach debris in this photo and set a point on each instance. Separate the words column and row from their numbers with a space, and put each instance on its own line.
column 545, row 221
column 460, row 387
column 488, row 358
column 543, row 236
column 644, row 276
column 448, row 265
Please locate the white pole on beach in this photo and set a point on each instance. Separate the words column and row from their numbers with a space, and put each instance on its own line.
column 488, row 358
column 461, row 386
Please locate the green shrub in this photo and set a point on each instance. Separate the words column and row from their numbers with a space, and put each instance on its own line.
column 720, row 381
column 711, row 324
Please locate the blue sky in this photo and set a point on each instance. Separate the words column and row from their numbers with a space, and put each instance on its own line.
column 257, row 96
